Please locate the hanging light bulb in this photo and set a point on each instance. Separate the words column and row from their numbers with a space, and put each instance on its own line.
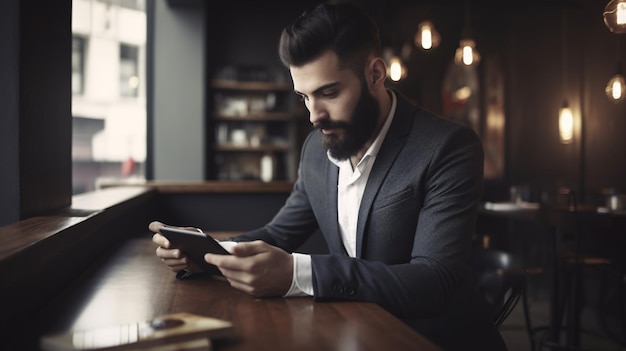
column 397, row 70
column 615, row 16
column 427, row 37
column 616, row 88
column 466, row 53
column 566, row 117
column 566, row 124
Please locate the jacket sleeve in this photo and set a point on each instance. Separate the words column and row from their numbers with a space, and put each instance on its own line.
column 293, row 224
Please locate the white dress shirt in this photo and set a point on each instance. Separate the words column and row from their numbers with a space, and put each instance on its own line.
column 350, row 187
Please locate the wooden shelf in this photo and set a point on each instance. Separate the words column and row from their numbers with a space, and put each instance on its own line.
column 238, row 85
column 264, row 111
column 260, row 148
column 260, row 116
column 221, row 187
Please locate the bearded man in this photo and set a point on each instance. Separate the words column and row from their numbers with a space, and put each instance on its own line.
column 393, row 188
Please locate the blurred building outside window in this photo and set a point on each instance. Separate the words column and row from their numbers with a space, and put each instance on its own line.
column 108, row 93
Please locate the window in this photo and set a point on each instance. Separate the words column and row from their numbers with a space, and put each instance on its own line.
column 129, row 4
column 129, row 71
column 78, row 66
column 108, row 104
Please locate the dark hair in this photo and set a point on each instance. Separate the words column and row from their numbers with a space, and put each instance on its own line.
column 344, row 28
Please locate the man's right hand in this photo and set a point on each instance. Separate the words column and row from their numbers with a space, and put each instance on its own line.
column 172, row 257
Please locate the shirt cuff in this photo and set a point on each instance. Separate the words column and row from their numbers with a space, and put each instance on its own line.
column 301, row 282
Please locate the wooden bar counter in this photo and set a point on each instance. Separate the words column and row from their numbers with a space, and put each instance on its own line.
column 94, row 266
column 133, row 285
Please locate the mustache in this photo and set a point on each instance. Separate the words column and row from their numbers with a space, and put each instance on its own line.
column 327, row 124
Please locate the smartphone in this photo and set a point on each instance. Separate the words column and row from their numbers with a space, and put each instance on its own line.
column 194, row 245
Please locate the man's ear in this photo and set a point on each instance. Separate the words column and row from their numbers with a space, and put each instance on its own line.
column 377, row 70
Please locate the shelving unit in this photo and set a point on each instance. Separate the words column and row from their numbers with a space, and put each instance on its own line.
column 254, row 131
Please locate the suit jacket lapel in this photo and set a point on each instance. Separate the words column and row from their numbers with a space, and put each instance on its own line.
column 393, row 143
column 334, row 236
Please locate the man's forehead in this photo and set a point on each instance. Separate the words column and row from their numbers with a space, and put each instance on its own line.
column 320, row 72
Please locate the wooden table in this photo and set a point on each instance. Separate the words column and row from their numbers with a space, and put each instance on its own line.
column 133, row 285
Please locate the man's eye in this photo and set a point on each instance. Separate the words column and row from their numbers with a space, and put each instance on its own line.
column 329, row 94
column 302, row 98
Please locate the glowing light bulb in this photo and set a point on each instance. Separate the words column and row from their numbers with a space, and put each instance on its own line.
column 621, row 13
column 427, row 39
column 397, row 70
column 616, row 88
column 466, row 53
column 468, row 56
column 615, row 16
column 427, row 36
column 617, row 91
column 566, row 124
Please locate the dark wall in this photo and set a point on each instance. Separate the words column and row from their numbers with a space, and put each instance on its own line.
column 35, row 108
column 9, row 119
column 246, row 33
column 567, row 52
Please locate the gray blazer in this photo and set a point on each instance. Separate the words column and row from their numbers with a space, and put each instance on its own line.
column 415, row 226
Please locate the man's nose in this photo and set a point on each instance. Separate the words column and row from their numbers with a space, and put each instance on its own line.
column 316, row 111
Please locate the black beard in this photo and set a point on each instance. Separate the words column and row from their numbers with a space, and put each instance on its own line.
column 357, row 131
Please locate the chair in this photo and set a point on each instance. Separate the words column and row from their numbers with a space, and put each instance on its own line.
column 503, row 281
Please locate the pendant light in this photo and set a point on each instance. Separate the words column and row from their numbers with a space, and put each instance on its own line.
column 396, row 70
column 466, row 53
column 566, row 124
column 615, row 16
column 427, row 37
column 616, row 87
column 566, row 117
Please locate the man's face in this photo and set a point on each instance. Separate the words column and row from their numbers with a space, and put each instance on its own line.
column 339, row 104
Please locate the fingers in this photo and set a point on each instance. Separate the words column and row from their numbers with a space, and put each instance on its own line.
column 245, row 249
column 162, row 252
column 256, row 268
column 161, row 241
column 154, row 226
column 176, row 265
column 172, row 257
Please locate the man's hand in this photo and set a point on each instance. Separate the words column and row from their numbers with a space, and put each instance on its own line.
column 172, row 257
column 260, row 269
